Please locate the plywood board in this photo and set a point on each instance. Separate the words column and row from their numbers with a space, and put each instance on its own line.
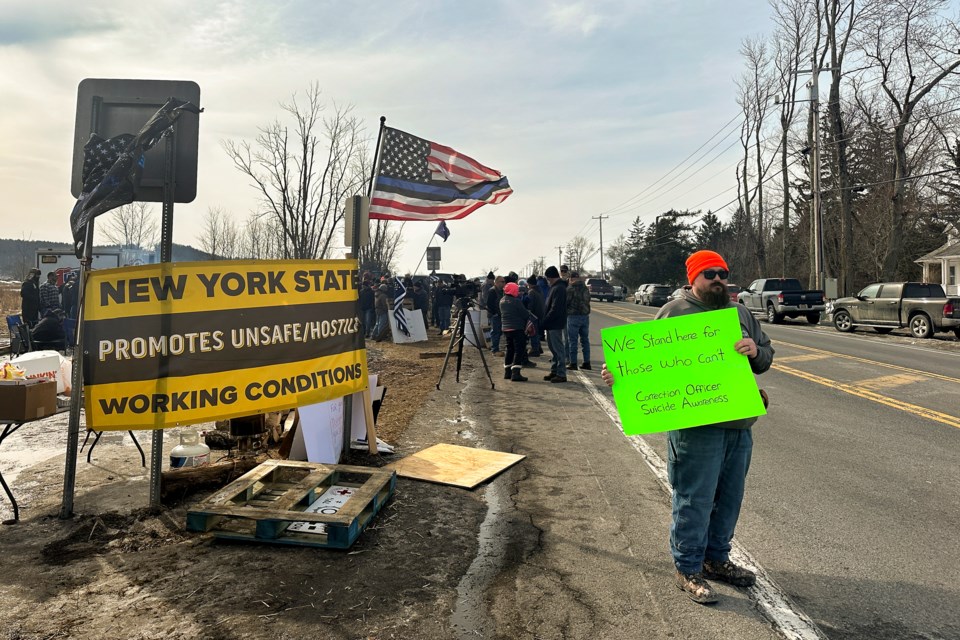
column 454, row 465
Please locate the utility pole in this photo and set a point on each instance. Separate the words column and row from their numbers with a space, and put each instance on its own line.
column 815, row 177
column 601, row 219
column 559, row 256
column 816, row 214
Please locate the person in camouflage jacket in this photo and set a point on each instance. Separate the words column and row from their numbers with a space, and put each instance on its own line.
column 578, row 320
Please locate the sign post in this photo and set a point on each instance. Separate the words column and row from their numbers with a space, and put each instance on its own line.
column 111, row 107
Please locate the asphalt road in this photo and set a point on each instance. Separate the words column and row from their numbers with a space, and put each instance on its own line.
column 853, row 499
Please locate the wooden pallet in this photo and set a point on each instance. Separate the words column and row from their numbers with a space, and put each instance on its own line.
column 262, row 504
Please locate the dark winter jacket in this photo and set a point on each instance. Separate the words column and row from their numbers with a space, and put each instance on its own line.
column 49, row 333
column 578, row 299
column 381, row 302
column 536, row 304
column 68, row 298
column 493, row 301
column 513, row 315
column 555, row 317
column 367, row 298
column 30, row 303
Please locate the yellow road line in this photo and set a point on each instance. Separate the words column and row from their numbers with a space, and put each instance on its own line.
column 624, row 318
column 890, row 382
column 873, row 362
column 809, row 357
column 866, row 394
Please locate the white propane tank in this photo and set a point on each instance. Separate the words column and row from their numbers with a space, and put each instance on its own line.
column 190, row 452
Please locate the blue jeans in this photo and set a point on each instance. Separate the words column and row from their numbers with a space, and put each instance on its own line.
column 578, row 326
column 707, row 467
column 495, row 333
column 369, row 322
column 443, row 318
column 558, row 365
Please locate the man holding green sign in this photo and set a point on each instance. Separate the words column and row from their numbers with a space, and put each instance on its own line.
column 687, row 369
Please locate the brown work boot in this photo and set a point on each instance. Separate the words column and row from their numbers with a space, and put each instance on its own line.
column 728, row 572
column 696, row 588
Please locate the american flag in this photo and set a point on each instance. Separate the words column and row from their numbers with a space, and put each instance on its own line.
column 112, row 167
column 423, row 180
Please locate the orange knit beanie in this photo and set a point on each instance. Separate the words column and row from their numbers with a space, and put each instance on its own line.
column 702, row 260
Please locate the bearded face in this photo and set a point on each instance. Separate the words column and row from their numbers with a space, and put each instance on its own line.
column 713, row 293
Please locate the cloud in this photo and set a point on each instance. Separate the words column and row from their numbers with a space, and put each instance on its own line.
column 36, row 24
column 578, row 18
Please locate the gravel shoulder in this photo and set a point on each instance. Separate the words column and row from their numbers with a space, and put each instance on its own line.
column 118, row 570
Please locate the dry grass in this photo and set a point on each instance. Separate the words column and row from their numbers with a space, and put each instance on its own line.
column 408, row 380
column 9, row 298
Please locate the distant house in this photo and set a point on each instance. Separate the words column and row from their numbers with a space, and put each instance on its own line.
column 943, row 265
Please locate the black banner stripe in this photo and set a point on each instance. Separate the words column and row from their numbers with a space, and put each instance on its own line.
column 133, row 348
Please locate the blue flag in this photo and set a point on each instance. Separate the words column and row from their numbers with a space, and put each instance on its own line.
column 442, row 230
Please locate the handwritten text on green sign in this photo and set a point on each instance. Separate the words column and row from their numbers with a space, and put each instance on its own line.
column 680, row 372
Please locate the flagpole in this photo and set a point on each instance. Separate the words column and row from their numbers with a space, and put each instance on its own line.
column 365, row 395
column 424, row 253
column 376, row 156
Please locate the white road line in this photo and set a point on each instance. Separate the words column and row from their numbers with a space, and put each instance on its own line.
column 773, row 603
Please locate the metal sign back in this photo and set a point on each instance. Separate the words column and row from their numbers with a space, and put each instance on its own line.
column 110, row 107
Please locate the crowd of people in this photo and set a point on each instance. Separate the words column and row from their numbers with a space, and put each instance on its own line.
column 45, row 306
column 523, row 314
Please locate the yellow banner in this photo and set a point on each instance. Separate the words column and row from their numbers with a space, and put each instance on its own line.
column 156, row 404
column 174, row 344
column 180, row 287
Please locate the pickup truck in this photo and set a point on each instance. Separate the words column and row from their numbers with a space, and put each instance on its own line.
column 885, row 306
column 600, row 289
column 780, row 298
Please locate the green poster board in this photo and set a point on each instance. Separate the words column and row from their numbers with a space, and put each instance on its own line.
column 680, row 372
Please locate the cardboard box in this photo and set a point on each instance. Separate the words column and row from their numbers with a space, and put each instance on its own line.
column 25, row 400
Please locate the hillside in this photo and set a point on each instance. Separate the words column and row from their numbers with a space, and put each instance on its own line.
column 17, row 256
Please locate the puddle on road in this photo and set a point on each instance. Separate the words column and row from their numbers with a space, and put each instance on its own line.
column 470, row 618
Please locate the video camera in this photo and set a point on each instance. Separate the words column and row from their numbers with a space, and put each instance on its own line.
column 462, row 289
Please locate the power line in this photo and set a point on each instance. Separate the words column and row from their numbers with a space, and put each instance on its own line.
column 719, row 131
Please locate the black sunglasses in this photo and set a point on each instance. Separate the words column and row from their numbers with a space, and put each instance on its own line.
column 710, row 274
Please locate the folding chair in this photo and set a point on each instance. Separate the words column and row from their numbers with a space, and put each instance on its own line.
column 25, row 342
column 12, row 323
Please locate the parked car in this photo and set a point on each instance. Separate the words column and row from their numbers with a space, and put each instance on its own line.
column 638, row 294
column 885, row 306
column 734, row 290
column 780, row 298
column 678, row 293
column 600, row 289
column 656, row 295
column 619, row 293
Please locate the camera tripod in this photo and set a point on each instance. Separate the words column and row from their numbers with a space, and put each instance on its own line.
column 457, row 338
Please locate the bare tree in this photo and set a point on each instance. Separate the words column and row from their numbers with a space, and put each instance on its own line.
column 132, row 226
column 260, row 239
column 913, row 47
column 840, row 19
column 756, row 89
column 792, row 36
column 577, row 251
column 380, row 254
column 303, row 176
column 218, row 237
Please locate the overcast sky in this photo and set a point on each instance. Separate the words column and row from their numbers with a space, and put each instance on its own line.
column 582, row 105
